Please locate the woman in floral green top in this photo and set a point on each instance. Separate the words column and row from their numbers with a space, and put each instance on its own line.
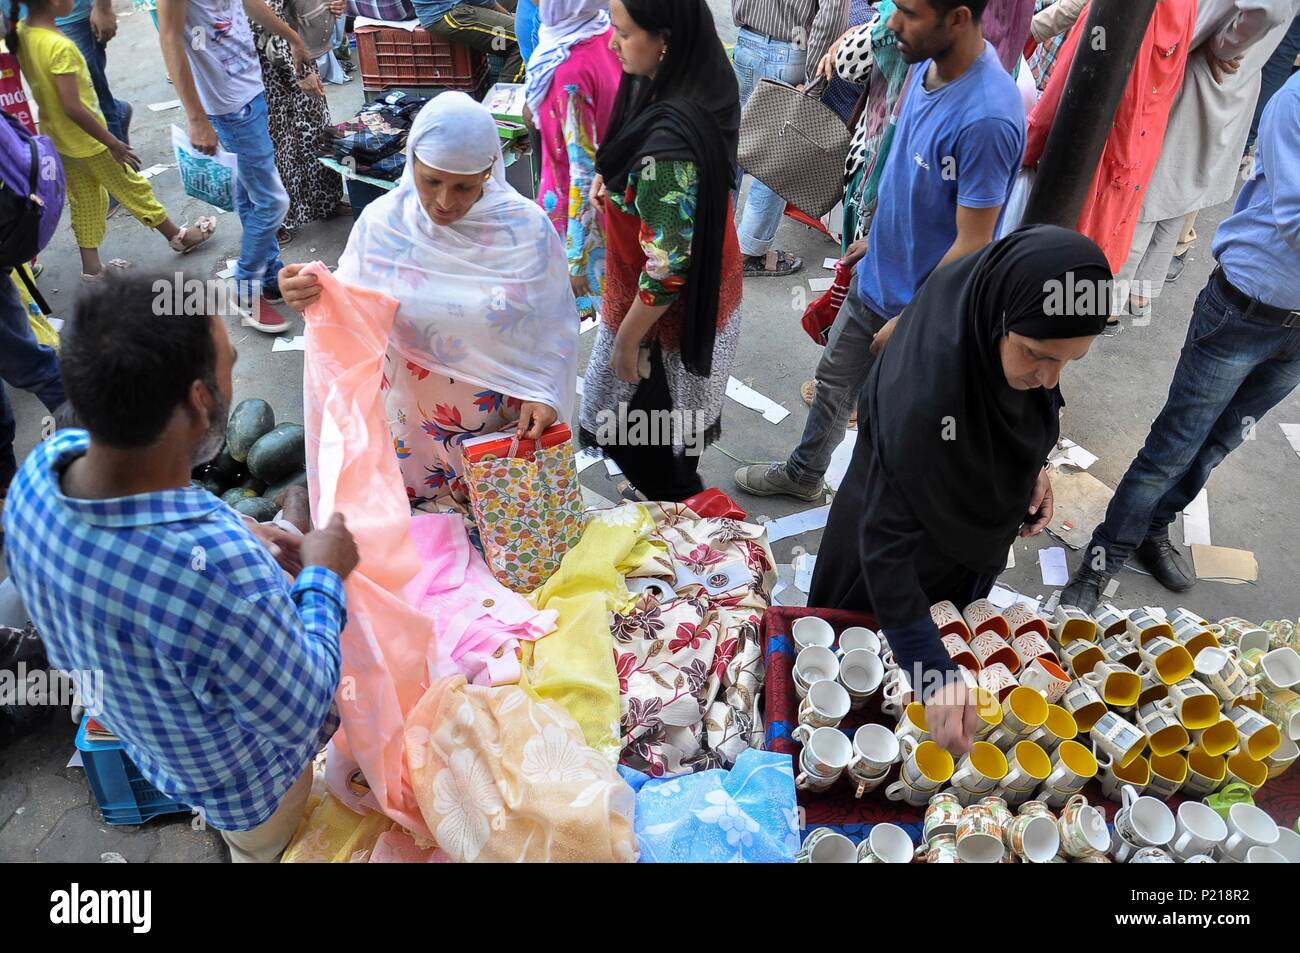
column 653, row 391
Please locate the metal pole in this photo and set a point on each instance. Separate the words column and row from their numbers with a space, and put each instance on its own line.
column 1103, row 60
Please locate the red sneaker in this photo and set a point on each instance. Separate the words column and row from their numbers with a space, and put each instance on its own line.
column 265, row 318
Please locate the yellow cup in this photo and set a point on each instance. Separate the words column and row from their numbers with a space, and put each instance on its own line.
column 1242, row 767
column 1024, row 710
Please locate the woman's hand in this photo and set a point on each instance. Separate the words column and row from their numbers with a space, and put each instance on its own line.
column 626, row 361
column 826, row 68
column 311, row 85
column 123, row 155
column 534, row 418
column 300, row 290
column 598, row 194
column 1220, row 68
column 581, row 285
column 952, row 714
column 1041, row 506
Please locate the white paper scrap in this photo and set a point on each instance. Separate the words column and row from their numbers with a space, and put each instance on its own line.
column 797, row 523
column 75, row 761
column 1002, row 597
column 586, row 458
column 1196, row 520
column 588, row 324
column 1051, row 563
column 579, row 386
column 1011, row 557
column 169, row 104
column 820, row 285
column 409, row 25
column 830, row 263
column 611, row 467
column 839, row 464
column 1292, row 432
column 298, row 343
column 803, row 571
column 153, row 170
column 748, row 397
column 1072, row 454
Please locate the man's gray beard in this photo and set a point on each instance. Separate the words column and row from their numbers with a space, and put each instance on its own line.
column 215, row 437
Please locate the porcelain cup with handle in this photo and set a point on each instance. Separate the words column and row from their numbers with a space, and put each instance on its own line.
column 1047, row 678
column 1219, row 669
column 947, row 617
column 1083, row 702
column 1169, row 773
column 1248, row 826
column 1279, row 669
column 1070, row 623
column 1256, row 735
column 1144, row 820
column 1196, row 706
column 825, row 846
column 861, row 674
column 926, row 766
column 1058, row 727
column 826, row 753
column 1111, row 621
column 858, row 637
column 813, row 664
column 1120, row 739
column 1205, row 772
column 1081, row 656
column 1165, row 733
column 1144, row 625
column 1021, row 620
column 810, row 630
column 885, row 844
column 825, row 705
column 1114, row 777
column 1199, row 830
column 1083, row 829
column 980, row 769
column 1280, row 761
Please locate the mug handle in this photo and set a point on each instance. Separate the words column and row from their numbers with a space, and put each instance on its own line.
column 905, row 742
column 861, row 789
column 1128, row 795
column 895, row 791
column 801, row 734
column 801, row 782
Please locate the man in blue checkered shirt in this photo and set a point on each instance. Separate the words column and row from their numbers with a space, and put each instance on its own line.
column 217, row 675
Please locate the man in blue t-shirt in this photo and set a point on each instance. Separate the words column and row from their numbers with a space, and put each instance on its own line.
column 957, row 146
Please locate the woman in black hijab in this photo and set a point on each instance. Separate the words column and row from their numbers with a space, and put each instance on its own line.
column 654, row 386
column 962, row 408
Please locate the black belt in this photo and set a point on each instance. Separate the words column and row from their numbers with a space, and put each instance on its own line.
column 1252, row 308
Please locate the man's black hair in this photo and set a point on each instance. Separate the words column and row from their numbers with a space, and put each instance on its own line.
column 945, row 7
column 128, row 362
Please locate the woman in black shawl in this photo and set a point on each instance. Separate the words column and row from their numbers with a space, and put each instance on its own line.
column 654, row 386
column 962, row 408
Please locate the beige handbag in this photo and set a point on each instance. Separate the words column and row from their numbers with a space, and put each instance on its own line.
column 795, row 145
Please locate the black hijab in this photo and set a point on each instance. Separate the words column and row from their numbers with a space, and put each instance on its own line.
column 690, row 110
column 959, row 443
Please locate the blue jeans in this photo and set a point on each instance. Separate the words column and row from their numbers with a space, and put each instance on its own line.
column 758, row 57
column 25, row 364
column 114, row 110
column 845, row 363
column 260, row 197
column 1276, row 72
column 1232, row 371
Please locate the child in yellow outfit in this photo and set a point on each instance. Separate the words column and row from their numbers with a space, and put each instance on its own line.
column 95, row 162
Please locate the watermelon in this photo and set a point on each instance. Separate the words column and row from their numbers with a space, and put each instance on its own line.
column 252, row 419
column 212, row 486
column 254, row 484
column 273, row 491
column 231, row 497
column 279, row 453
column 226, row 470
column 258, row 507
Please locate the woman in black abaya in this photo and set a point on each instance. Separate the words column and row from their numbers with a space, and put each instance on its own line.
column 961, row 408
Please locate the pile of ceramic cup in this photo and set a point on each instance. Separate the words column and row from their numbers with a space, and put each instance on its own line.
column 1161, row 703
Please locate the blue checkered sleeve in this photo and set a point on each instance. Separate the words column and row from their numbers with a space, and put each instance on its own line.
column 281, row 672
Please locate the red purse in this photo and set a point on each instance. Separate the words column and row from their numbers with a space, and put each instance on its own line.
column 713, row 503
column 820, row 315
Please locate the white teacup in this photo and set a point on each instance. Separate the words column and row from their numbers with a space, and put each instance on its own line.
column 1264, row 855
column 1199, row 830
column 825, row 706
column 858, row 637
column 1145, row 821
column 1288, row 844
column 861, row 674
column 1280, row 669
column 812, row 665
column 886, row 844
column 896, row 693
column 1248, row 826
column 875, row 749
column 826, row 753
column 810, row 631
column 825, row 846
column 980, row 769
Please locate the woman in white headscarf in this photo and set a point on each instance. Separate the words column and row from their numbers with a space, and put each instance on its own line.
column 572, row 81
column 485, row 338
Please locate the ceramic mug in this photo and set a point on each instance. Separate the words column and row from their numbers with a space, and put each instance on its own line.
column 998, row 807
column 941, row 816
column 1144, row 625
column 1073, row 766
column 826, row 753
column 861, row 674
column 1218, row 739
column 1030, row 646
column 1058, row 727
column 1117, row 685
column 1219, row 669
column 949, row 620
column 825, row 705
column 875, row 749
column 989, row 710
column 912, row 724
column 1280, row 761
column 979, row 836
column 863, row 781
column 1242, row 768
column 1121, row 650
column 858, row 637
column 1135, row 774
column 887, row 659
column 1151, row 855
column 998, row 679
column 960, row 652
column 1083, row 702
column 885, row 844
column 1146, row 821
column 1198, row 830
column 1165, row 733
column 1153, row 686
column 900, row 790
column 983, row 616
column 1110, row 620
column 1283, row 709
column 1046, row 677
column 1082, row 828
column 1279, row 669
column 1187, row 615
column 1264, row 855
column 926, row 766
column 1288, row 845
column 811, row 630
column 1070, row 623
column 1194, row 636
column 1120, row 739
column 1023, row 710
column 1027, row 767
column 1248, row 826
column 1081, row 656
column 812, row 665
column 1022, row 620
column 825, row 846
column 1256, row 735
column 1195, row 705
column 1244, row 635
column 991, row 649
column 980, row 769
column 896, row 693
column 943, row 849
column 1168, row 775
column 1205, row 772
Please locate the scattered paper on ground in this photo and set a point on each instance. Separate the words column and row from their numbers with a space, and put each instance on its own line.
column 804, row 564
column 591, row 500
column 830, row 263
column 1051, row 563
column 229, row 270
column 290, row 344
column 1069, row 453
column 1196, row 520
column 786, row 593
column 1011, row 557
column 1292, row 432
column 586, row 458
column 588, row 323
column 169, row 104
column 1233, row 566
column 611, row 467
column 797, row 523
column 579, row 386
column 153, row 170
column 1081, row 501
column 75, row 761
column 820, row 285
column 839, row 464
column 1002, row 597
column 748, row 397
column 1112, row 587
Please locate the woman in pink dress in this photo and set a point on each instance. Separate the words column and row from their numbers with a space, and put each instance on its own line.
column 573, row 77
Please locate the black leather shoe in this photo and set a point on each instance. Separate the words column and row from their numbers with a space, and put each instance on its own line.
column 1084, row 590
column 1161, row 559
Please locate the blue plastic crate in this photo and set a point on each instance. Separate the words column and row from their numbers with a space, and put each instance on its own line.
column 123, row 795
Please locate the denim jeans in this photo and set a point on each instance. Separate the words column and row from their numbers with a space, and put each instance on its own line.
column 114, row 110
column 841, row 372
column 1276, row 72
column 24, row 363
column 260, row 197
column 758, row 57
column 1233, row 369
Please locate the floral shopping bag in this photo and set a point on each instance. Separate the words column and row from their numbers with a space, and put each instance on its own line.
column 527, row 503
